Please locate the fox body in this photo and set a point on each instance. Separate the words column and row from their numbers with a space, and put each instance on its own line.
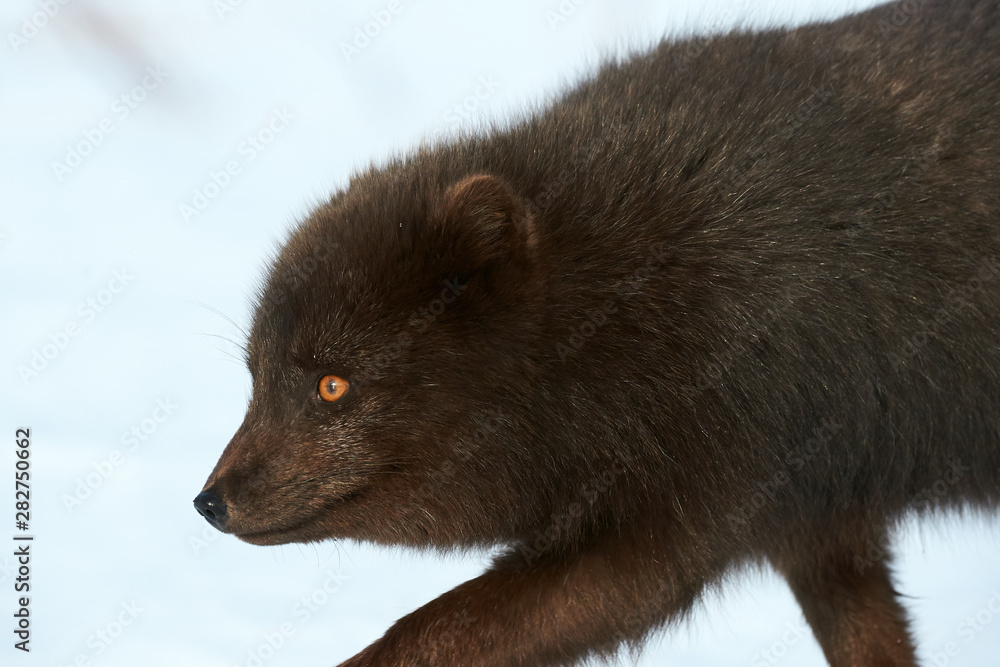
column 734, row 301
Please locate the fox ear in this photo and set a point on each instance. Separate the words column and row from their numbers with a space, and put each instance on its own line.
column 489, row 224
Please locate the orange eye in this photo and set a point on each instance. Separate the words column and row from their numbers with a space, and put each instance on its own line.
column 332, row 388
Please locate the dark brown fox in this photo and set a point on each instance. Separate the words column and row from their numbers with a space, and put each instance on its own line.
column 732, row 302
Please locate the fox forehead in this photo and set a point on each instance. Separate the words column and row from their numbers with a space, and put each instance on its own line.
column 317, row 325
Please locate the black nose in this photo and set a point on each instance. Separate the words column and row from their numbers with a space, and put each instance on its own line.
column 211, row 506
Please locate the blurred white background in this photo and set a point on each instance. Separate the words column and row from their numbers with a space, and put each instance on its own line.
column 117, row 301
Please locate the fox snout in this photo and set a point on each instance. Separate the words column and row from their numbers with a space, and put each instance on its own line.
column 211, row 506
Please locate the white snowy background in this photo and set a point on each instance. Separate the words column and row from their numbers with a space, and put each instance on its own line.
column 123, row 305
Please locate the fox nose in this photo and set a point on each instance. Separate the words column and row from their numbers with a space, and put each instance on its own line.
column 211, row 506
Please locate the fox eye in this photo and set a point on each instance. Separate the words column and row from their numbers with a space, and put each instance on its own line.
column 332, row 388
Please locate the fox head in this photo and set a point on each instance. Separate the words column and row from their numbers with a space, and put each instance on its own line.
column 394, row 358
